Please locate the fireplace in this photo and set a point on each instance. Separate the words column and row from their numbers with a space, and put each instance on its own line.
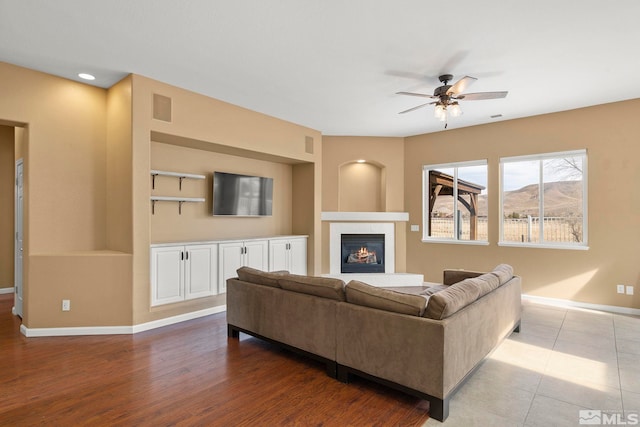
column 359, row 229
column 362, row 253
column 363, row 224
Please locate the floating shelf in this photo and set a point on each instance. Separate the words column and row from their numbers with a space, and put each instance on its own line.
column 180, row 175
column 180, row 201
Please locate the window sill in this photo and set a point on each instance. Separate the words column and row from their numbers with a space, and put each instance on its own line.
column 544, row 246
column 458, row 242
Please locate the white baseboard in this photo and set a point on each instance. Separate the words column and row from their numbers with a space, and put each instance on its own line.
column 118, row 330
column 177, row 319
column 6, row 290
column 574, row 304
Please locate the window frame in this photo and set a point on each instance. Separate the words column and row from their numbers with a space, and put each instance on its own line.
column 540, row 158
column 425, row 202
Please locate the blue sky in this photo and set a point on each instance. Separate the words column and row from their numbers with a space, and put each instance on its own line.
column 519, row 174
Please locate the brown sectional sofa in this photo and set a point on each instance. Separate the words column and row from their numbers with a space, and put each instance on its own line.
column 422, row 340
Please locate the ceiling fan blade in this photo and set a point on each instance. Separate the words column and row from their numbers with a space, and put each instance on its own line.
column 482, row 95
column 415, row 108
column 461, row 85
column 423, row 95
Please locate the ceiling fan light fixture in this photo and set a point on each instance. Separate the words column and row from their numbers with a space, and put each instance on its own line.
column 455, row 110
column 446, row 97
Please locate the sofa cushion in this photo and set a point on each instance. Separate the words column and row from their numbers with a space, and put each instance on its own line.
column 413, row 290
column 433, row 289
column 504, row 272
column 448, row 301
column 324, row 287
column 360, row 293
column 486, row 283
column 268, row 278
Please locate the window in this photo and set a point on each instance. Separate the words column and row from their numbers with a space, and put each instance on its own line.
column 544, row 200
column 455, row 202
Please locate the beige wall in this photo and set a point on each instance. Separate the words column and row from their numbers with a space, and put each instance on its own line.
column 66, row 166
column 610, row 133
column 93, row 281
column 119, row 165
column 341, row 176
column 21, row 141
column 63, row 144
column 7, row 179
column 306, row 195
column 385, row 153
column 360, row 188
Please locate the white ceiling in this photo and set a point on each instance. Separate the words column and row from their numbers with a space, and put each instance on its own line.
column 335, row 66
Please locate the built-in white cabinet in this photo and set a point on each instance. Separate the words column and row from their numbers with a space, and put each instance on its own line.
column 288, row 254
column 233, row 255
column 189, row 270
column 201, row 271
column 183, row 272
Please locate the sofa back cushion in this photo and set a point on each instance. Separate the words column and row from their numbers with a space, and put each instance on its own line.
column 267, row 278
column 324, row 287
column 448, row 301
column 360, row 293
column 503, row 272
column 486, row 283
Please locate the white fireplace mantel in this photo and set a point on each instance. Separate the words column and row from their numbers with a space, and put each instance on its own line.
column 365, row 216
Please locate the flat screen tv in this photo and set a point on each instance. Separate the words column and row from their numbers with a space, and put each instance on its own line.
column 242, row 195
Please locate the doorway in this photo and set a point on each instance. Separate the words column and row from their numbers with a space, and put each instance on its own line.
column 19, row 233
column 13, row 149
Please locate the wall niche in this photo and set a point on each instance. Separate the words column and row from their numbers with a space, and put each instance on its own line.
column 362, row 187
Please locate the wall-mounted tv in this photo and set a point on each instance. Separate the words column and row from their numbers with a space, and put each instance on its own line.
column 242, row 195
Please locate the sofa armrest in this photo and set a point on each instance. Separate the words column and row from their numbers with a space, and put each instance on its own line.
column 454, row 276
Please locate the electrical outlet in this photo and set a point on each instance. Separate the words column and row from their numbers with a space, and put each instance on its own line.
column 66, row 305
column 621, row 289
column 415, row 227
column 629, row 290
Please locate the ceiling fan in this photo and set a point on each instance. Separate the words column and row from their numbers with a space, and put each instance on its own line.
column 447, row 97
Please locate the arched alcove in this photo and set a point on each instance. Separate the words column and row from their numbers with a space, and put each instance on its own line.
column 361, row 187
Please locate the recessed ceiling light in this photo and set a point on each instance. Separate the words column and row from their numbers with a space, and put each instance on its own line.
column 86, row 76
column 361, row 161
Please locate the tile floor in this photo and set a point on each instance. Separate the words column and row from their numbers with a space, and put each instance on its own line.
column 563, row 360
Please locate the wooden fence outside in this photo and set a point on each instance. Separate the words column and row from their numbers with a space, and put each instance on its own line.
column 556, row 229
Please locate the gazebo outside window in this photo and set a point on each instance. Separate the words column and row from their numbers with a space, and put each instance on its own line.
column 442, row 184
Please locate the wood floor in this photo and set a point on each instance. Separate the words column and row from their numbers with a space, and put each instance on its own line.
column 185, row 374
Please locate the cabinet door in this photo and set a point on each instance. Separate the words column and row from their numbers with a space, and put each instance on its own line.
column 230, row 258
column 257, row 254
column 167, row 275
column 278, row 255
column 200, row 271
column 298, row 256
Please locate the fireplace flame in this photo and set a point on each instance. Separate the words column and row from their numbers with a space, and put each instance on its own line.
column 362, row 256
column 364, row 252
